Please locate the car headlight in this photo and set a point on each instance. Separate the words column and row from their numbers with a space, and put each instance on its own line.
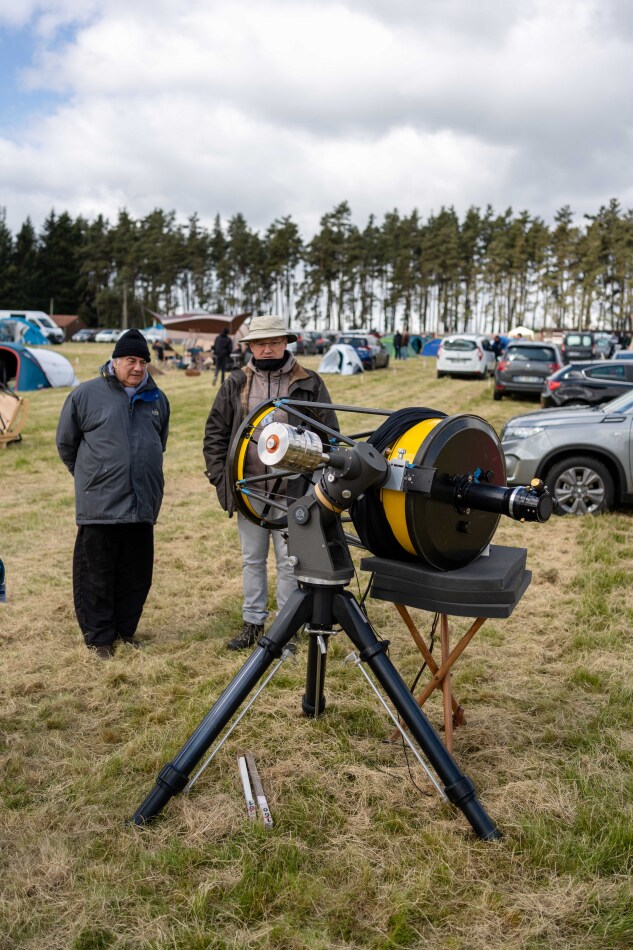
column 519, row 432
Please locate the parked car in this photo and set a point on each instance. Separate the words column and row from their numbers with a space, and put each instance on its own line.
column 524, row 367
column 584, row 456
column 606, row 344
column 587, row 384
column 465, row 355
column 580, row 345
column 84, row 336
column 371, row 351
column 108, row 336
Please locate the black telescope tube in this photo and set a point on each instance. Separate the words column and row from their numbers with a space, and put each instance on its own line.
column 521, row 503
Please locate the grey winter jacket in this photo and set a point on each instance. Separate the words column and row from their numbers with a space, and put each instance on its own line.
column 113, row 446
column 229, row 410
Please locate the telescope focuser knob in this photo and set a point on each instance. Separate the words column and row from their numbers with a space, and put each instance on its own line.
column 537, row 485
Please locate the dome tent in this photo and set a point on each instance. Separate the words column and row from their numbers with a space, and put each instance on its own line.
column 341, row 358
column 26, row 369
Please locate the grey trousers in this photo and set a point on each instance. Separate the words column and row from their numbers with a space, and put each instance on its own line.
column 255, row 543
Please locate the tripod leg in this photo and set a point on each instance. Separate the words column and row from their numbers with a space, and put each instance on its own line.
column 313, row 702
column 458, row 787
column 173, row 777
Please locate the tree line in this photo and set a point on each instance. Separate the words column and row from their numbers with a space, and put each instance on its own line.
column 486, row 272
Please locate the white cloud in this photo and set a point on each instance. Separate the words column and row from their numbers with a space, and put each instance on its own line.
column 275, row 107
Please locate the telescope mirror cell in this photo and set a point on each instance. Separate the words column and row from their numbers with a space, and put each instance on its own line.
column 284, row 446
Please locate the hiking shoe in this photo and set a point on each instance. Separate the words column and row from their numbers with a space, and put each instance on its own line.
column 250, row 633
column 103, row 652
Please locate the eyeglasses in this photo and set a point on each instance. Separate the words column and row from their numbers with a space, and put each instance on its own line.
column 260, row 344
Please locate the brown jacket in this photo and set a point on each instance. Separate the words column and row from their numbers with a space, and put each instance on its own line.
column 229, row 410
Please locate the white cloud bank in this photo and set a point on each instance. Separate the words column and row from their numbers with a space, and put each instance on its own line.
column 273, row 107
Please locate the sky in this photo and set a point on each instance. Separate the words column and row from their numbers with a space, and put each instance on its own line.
column 288, row 107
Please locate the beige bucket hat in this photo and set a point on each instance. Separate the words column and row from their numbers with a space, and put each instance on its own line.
column 264, row 328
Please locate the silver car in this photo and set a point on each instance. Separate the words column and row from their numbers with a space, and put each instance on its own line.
column 585, row 456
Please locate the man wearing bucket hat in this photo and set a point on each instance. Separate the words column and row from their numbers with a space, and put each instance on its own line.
column 271, row 373
column 111, row 436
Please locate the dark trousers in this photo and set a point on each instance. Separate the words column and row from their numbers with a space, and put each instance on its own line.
column 220, row 367
column 112, row 575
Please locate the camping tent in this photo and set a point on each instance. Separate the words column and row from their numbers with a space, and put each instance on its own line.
column 27, row 369
column 525, row 332
column 341, row 358
column 18, row 330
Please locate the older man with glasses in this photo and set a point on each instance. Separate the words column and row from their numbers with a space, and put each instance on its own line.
column 271, row 373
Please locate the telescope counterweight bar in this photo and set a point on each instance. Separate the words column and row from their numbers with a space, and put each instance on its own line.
column 321, row 426
column 336, row 407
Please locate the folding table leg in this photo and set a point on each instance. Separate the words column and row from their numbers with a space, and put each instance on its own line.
column 446, row 684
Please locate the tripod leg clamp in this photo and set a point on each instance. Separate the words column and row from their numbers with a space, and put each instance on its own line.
column 460, row 792
column 381, row 647
column 171, row 779
column 270, row 646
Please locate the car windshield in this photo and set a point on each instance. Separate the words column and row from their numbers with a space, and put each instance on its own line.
column 578, row 339
column 540, row 354
column 353, row 340
column 460, row 345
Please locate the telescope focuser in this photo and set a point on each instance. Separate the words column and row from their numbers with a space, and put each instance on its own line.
column 524, row 503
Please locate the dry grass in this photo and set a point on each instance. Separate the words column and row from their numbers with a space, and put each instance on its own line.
column 359, row 856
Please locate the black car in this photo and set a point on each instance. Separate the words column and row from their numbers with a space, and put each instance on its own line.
column 587, row 384
column 580, row 345
column 524, row 367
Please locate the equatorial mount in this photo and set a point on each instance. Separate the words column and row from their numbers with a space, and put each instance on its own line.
column 429, row 487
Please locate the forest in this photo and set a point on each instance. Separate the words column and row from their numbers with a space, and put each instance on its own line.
column 486, row 272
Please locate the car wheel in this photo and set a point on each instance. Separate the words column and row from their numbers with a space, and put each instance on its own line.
column 581, row 486
column 496, row 395
column 372, row 365
column 440, row 374
column 387, row 363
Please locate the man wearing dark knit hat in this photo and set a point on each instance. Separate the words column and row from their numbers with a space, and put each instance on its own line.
column 111, row 436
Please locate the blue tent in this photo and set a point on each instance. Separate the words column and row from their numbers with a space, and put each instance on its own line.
column 18, row 330
column 20, row 369
column 431, row 347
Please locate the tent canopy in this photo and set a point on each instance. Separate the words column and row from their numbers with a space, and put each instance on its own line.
column 25, row 369
column 18, row 330
column 521, row 331
column 193, row 323
column 341, row 358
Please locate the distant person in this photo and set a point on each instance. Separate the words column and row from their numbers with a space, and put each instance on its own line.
column 111, row 436
column 222, row 349
column 159, row 349
column 397, row 343
column 497, row 346
column 271, row 371
column 404, row 348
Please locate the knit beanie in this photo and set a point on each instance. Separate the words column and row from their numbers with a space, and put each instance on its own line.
column 132, row 343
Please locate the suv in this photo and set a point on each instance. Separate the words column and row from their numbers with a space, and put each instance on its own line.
column 579, row 346
column 465, row 355
column 524, row 367
column 587, row 384
column 585, row 456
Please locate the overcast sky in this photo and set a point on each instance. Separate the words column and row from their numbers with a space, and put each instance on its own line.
column 276, row 107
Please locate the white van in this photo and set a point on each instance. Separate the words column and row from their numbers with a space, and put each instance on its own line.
column 42, row 321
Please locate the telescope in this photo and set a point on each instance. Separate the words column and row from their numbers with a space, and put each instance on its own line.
column 422, row 487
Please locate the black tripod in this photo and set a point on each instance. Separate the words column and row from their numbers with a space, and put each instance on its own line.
column 321, row 602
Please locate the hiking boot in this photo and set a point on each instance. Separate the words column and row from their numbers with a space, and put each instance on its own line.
column 103, row 652
column 250, row 633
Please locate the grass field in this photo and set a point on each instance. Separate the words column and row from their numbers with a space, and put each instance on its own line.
column 360, row 855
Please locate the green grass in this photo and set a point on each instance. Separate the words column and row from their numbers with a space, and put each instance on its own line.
column 363, row 854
